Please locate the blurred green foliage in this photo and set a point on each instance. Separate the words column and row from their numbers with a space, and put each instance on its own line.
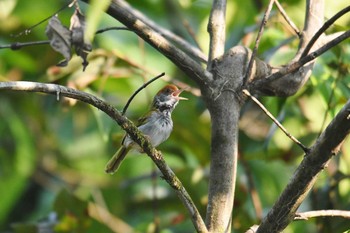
column 52, row 153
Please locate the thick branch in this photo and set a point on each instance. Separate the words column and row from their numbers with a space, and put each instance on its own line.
column 124, row 13
column 327, row 145
column 224, row 105
column 216, row 29
column 187, row 47
column 125, row 124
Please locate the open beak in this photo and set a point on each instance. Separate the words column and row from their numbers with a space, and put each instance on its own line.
column 177, row 93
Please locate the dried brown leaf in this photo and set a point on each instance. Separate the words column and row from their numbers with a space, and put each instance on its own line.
column 60, row 39
column 77, row 27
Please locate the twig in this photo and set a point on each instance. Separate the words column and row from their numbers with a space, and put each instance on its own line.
column 262, row 107
column 288, row 20
column 296, row 65
column 216, row 29
column 19, row 45
column 322, row 213
column 257, row 42
column 325, row 26
column 312, row 214
column 125, row 124
column 29, row 30
column 111, row 28
column 138, row 90
column 191, row 32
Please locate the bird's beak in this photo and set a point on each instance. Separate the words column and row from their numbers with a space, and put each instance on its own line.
column 177, row 93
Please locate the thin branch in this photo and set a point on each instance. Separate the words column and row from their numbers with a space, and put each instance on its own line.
column 29, row 30
column 326, row 146
column 257, row 42
column 216, row 29
column 190, row 49
column 322, row 213
column 19, row 45
column 288, row 20
column 138, row 90
column 298, row 64
column 131, row 18
column 190, row 31
column 110, row 29
column 325, row 26
column 262, row 107
column 314, row 18
column 125, row 124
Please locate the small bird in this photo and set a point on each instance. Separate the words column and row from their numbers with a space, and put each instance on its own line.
column 156, row 124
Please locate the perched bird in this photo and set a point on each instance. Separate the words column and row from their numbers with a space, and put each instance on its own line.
column 156, row 124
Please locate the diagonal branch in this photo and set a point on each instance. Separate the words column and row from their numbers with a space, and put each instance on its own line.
column 263, row 86
column 325, row 26
column 187, row 47
column 216, row 29
column 125, row 14
column 125, row 124
column 262, row 107
column 326, row 146
column 287, row 19
column 257, row 42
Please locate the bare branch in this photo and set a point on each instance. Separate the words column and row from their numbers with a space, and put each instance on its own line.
column 286, row 17
column 190, row 49
column 131, row 18
column 322, row 213
column 325, row 26
column 216, row 29
column 138, row 90
column 326, row 146
column 262, row 107
column 191, row 32
column 257, row 42
column 29, row 30
column 111, row 28
column 19, row 45
column 125, row 124
column 313, row 21
column 263, row 86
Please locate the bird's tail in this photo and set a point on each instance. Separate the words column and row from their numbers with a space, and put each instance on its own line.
column 114, row 163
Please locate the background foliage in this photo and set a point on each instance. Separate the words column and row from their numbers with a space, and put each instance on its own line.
column 53, row 152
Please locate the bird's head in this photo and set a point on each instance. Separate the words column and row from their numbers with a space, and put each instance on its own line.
column 167, row 97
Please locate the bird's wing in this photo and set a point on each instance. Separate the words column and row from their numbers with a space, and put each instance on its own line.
column 142, row 120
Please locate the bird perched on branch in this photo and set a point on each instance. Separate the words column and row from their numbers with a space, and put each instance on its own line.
column 156, row 124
